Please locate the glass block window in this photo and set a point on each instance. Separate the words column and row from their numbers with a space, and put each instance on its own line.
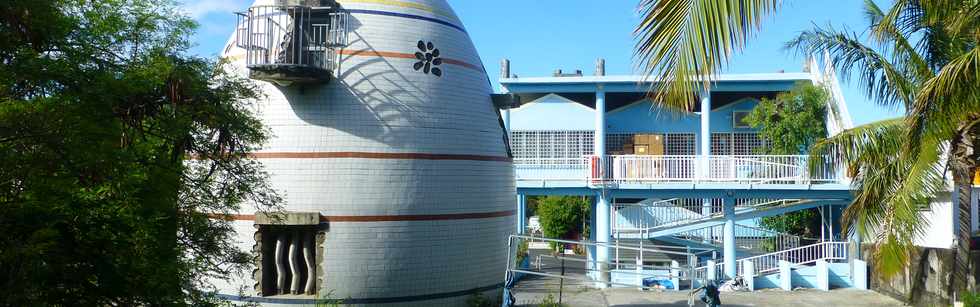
column 674, row 143
column 616, row 141
column 680, row 144
column 551, row 147
column 741, row 143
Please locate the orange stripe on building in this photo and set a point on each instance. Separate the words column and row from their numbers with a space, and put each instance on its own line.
column 375, row 155
column 400, row 55
column 385, row 218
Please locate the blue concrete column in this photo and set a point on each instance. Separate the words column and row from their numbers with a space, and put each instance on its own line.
column 705, row 212
column 591, row 250
column 603, row 233
column 705, row 142
column 729, row 237
column 603, row 227
column 521, row 213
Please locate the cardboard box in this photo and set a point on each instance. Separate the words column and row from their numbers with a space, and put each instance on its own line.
column 641, row 139
column 641, row 149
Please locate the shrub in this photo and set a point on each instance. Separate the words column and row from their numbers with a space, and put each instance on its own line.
column 549, row 301
column 521, row 252
column 971, row 299
column 562, row 216
column 478, row 300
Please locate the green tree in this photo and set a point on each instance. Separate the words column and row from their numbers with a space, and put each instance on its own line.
column 791, row 124
column 922, row 55
column 793, row 121
column 562, row 216
column 117, row 150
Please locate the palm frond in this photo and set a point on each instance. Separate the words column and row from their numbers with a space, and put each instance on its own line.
column 952, row 95
column 892, row 185
column 883, row 82
column 685, row 43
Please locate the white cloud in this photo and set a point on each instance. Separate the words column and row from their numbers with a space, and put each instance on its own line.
column 199, row 9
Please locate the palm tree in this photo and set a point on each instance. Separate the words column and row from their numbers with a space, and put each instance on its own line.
column 921, row 55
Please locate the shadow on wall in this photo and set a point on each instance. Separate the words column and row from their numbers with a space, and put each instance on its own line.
column 378, row 105
column 925, row 282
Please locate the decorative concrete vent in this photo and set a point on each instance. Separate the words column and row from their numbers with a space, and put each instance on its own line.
column 292, row 41
column 286, row 253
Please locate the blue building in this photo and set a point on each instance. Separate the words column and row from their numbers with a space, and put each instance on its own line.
column 690, row 179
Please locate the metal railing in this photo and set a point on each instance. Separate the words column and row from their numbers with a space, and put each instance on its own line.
column 291, row 35
column 767, row 263
column 643, row 217
column 602, row 268
column 797, row 256
column 625, row 169
column 751, row 239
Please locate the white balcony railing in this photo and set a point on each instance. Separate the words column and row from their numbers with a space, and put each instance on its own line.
column 620, row 169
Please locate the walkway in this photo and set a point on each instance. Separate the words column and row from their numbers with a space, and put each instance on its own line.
column 623, row 297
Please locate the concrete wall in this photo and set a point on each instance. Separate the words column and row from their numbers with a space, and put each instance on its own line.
column 939, row 233
column 923, row 283
column 552, row 113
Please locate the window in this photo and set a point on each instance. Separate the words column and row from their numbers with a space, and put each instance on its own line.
column 738, row 119
column 741, row 143
column 551, row 147
column 287, row 246
column 674, row 143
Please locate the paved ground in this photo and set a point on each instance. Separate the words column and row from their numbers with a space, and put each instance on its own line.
column 532, row 289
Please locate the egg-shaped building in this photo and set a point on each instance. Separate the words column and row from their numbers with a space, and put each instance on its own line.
column 397, row 182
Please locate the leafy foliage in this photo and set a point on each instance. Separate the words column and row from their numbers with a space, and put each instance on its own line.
column 561, row 216
column 550, row 301
column 793, row 121
column 921, row 55
column 116, row 150
column 790, row 124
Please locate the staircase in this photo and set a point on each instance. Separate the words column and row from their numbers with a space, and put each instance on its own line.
column 766, row 264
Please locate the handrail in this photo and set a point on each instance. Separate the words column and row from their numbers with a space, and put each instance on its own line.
column 645, row 169
column 802, row 255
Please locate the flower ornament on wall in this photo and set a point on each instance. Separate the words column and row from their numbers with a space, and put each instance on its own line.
column 429, row 60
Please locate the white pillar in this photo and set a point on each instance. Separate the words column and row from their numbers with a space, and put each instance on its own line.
column 729, row 237
column 859, row 274
column 600, row 121
column 785, row 275
column 710, row 270
column 705, row 132
column 823, row 275
column 521, row 213
column 749, row 274
column 703, row 166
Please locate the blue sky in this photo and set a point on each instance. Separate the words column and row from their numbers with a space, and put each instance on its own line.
column 539, row 36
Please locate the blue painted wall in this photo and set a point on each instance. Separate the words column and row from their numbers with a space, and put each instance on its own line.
column 721, row 118
column 552, row 113
column 641, row 117
column 555, row 113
